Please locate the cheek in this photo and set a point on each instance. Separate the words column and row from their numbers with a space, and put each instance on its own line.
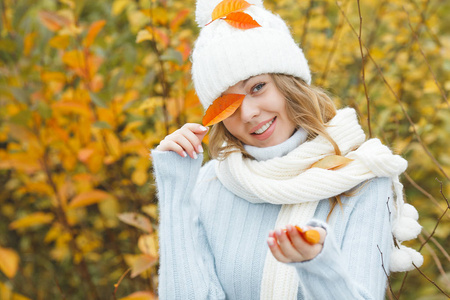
column 231, row 125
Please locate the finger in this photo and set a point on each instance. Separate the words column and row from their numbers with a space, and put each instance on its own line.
column 199, row 130
column 276, row 251
column 193, row 139
column 168, row 145
column 180, row 138
column 286, row 246
column 307, row 251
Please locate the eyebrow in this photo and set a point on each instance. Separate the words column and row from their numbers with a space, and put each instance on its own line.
column 245, row 81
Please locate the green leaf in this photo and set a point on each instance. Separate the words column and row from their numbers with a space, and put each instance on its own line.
column 97, row 100
column 44, row 110
column 173, row 55
column 21, row 118
column 102, row 125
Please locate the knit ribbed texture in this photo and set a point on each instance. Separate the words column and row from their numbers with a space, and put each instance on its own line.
column 224, row 55
column 213, row 243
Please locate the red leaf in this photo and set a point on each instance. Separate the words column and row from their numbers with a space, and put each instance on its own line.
column 228, row 6
column 241, row 20
column 94, row 29
column 222, row 108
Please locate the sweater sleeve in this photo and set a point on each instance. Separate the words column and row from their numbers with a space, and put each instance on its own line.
column 186, row 265
column 355, row 269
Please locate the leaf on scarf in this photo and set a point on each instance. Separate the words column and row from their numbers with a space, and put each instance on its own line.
column 241, row 20
column 332, row 162
column 222, row 108
column 228, row 6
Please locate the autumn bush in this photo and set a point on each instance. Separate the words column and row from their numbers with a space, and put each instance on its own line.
column 88, row 87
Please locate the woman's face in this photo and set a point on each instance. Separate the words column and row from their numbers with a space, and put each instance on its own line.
column 261, row 120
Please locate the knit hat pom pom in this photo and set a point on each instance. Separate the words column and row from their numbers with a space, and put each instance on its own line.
column 410, row 211
column 406, row 229
column 402, row 259
column 205, row 8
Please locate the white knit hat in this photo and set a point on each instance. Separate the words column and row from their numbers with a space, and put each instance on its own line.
column 224, row 55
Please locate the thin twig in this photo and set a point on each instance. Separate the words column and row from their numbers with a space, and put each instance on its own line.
column 426, row 60
column 162, row 73
column 305, row 25
column 403, row 284
column 398, row 100
column 432, row 282
column 363, row 70
column 59, row 288
column 385, row 272
column 422, row 190
column 439, row 220
column 436, row 260
column 116, row 285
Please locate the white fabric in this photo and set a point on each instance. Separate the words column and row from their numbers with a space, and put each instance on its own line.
column 290, row 181
column 224, row 55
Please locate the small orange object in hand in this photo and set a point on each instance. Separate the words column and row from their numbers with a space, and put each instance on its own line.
column 311, row 236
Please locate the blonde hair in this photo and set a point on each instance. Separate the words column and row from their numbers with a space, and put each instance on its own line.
column 307, row 106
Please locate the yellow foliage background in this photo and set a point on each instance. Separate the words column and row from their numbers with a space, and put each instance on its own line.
column 88, row 87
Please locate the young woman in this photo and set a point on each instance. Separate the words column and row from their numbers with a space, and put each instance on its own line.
column 285, row 162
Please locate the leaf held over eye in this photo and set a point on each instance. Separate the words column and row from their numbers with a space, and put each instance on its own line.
column 222, row 108
column 241, row 20
column 228, row 6
column 332, row 162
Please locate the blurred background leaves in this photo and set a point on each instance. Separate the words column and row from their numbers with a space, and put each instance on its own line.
column 88, row 87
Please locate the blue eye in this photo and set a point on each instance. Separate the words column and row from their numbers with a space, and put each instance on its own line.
column 257, row 87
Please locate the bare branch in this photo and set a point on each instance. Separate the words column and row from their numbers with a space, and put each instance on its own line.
column 432, row 282
column 426, row 60
column 387, row 275
column 363, row 71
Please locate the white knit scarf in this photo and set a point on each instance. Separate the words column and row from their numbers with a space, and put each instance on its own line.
column 290, row 181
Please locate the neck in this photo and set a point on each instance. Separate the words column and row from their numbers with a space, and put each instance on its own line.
column 266, row 153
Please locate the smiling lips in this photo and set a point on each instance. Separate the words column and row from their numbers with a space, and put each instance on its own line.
column 264, row 129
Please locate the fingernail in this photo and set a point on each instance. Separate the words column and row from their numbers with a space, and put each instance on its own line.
column 270, row 241
column 278, row 232
column 203, row 128
column 289, row 227
column 194, row 155
column 200, row 148
column 184, row 154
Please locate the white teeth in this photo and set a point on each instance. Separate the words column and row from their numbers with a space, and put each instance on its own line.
column 264, row 127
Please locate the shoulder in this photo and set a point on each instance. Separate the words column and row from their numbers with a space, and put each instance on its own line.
column 371, row 194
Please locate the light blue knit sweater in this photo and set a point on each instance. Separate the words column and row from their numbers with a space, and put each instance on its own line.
column 213, row 243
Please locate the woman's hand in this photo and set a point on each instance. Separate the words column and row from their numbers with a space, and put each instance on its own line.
column 289, row 246
column 184, row 141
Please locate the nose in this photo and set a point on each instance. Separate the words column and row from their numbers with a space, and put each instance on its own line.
column 248, row 109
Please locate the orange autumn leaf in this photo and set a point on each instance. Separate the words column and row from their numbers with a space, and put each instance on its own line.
column 94, row 29
column 222, row 108
column 53, row 21
column 311, row 236
column 136, row 220
column 141, row 264
column 9, row 262
column 179, row 19
column 141, row 295
column 241, row 20
column 332, row 162
column 88, row 198
column 33, row 219
column 226, row 7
